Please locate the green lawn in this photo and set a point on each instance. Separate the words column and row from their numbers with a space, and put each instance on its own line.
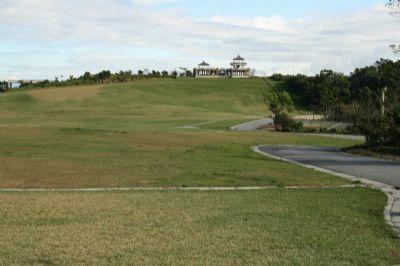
column 131, row 134
column 275, row 227
column 136, row 135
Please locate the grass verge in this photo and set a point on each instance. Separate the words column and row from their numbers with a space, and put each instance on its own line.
column 388, row 153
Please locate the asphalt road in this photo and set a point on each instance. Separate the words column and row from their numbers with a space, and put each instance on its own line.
column 334, row 159
column 255, row 126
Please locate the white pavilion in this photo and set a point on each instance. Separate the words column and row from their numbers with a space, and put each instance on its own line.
column 238, row 69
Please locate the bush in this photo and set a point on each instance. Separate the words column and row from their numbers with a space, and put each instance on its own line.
column 286, row 124
column 3, row 86
column 279, row 77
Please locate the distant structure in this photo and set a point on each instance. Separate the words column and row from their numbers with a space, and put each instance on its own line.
column 205, row 71
column 15, row 84
column 238, row 69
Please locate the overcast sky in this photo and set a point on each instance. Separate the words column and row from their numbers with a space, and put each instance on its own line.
column 47, row 38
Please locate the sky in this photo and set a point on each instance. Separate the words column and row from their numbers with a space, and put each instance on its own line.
column 41, row 39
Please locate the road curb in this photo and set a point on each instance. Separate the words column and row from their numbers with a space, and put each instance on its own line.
column 392, row 208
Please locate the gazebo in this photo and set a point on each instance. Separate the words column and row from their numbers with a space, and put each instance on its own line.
column 204, row 64
column 204, row 70
column 239, row 69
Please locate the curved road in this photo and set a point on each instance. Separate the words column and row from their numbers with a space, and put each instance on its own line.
column 257, row 124
column 334, row 159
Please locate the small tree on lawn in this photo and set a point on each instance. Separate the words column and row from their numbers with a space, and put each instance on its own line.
column 280, row 103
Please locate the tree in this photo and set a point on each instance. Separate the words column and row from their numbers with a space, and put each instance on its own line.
column 189, row 73
column 333, row 89
column 280, row 105
column 325, row 93
column 395, row 48
column 155, row 74
column 376, row 101
column 87, row 76
column 103, row 75
column 3, row 86
column 394, row 5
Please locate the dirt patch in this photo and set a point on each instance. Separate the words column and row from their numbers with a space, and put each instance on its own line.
column 76, row 93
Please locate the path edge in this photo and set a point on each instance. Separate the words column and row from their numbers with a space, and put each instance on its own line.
column 393, row 195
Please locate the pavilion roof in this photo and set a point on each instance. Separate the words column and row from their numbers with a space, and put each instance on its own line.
column 203, row 64
column 238, row 58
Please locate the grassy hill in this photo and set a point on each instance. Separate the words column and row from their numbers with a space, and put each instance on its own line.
column 165, row 102
column 133, row 134
column 171, row 133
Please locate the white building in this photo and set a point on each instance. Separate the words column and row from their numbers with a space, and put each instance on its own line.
column 238, row 69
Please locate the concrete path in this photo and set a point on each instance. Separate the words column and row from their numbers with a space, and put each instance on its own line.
column 197, row 126
column 139, row 189
column 253, row 125
column 378, row 174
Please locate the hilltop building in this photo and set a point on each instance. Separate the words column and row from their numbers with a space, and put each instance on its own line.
column 15, row 84
column 238, row 69
column 204, row 70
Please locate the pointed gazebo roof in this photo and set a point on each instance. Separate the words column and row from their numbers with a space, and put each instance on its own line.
column 204, row 64
column 238, row 58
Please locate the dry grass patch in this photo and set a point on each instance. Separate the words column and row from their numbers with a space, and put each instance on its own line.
column 66, row 93
column 5, row 113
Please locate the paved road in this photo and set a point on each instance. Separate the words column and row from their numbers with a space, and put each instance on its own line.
column 253, row 125
column 335, row 160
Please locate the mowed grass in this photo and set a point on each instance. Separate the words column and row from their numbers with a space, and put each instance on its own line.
column 134, row 135
column 130, row 135
column 273, row 227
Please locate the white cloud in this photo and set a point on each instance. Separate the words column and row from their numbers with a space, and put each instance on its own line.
column 274, row 23
column 270, row 44
column 151, row 2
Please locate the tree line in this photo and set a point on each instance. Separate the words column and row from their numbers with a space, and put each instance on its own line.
column 3, row 86
column 102, row 77
column 369, row 98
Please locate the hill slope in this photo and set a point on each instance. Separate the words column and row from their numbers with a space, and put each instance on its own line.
column 133, row 135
